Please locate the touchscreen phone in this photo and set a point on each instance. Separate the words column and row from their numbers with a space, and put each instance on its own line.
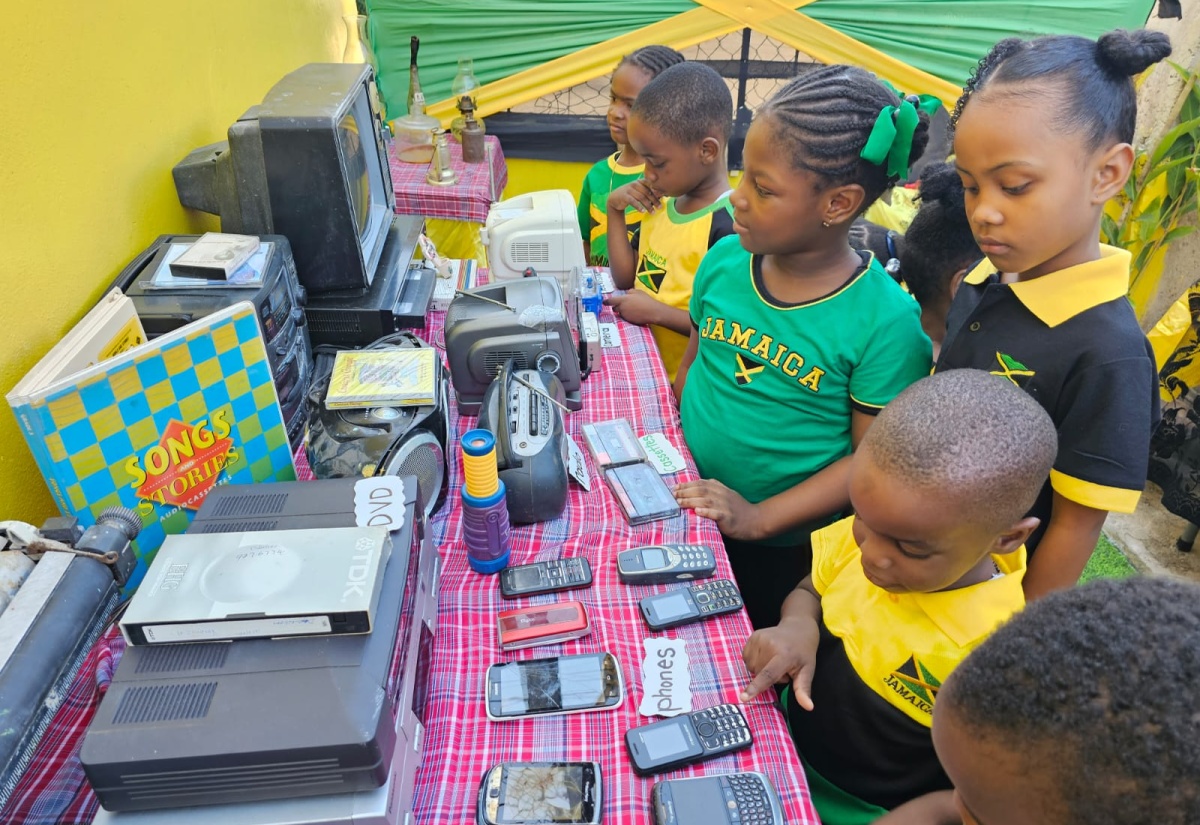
column 559, row 684
column 528, row 793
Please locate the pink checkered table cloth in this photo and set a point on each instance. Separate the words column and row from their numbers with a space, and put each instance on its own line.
column 460, row 744
column 479, row 185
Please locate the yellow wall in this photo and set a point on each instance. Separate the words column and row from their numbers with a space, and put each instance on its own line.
column 99, row 101
column 536, row 175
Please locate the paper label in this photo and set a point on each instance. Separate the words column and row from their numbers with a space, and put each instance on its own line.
column 576, row 466
column 605, row 280
column 236, row 629
column 666, row 682
column 379, row 502
column 609, row 337
column 662, row 454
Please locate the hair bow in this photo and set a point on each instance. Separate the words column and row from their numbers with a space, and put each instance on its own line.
column 891, row 136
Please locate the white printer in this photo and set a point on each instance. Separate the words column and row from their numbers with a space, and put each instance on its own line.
column 538, row 230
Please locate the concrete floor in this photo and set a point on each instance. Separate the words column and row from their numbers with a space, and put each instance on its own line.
column 1147, row 537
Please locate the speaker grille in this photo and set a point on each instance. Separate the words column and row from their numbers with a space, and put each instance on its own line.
column 535, row 252
column 175, row 658
column 240, row 505
column 421, row 456
column 493, row 361
column 247, row 526
column 164, row 703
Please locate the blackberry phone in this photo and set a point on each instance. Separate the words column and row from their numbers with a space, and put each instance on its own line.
column 556, row 685
column 735, row 798
column 545, row 577
column 523, row 793
column 665, row 563
column 687, row 738
column 686, row 605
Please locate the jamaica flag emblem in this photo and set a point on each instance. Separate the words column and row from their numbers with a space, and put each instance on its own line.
column 1012, row 369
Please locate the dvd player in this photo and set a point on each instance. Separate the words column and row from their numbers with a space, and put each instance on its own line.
column 271, row 731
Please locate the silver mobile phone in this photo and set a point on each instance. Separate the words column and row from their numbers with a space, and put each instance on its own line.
column 533, row 793
column 556, row 685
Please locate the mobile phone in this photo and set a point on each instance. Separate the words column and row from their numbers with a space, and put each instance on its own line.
column 545, row 577
column 525, row 793
column 746, row 798
column 577, row 683
column 683, row 606
column 687, row 738
column 545, row 624
column 665, row 563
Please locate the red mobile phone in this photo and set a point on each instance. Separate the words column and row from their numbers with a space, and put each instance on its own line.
column 544, row 624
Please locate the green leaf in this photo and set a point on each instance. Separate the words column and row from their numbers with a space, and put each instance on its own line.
column 1176, row 178
column 1168, row 140
column 1139, row 260
column 1177, row 233
column 1149, row 217
column 1109, row 230
column 1166, row 166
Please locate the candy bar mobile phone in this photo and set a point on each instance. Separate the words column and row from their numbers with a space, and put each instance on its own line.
column 545, row 577
column 533, row 793
column 687, row 738
column 665, row 563
column 690, row 604
column 576, row 683
column 724, row 799
column 544, row 624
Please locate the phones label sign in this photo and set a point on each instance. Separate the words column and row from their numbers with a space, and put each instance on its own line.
column 666, row 682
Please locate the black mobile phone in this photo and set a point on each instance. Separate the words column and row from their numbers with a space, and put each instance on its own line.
column 576, row 683
column 687, row 738
column 686, row 605
column 545, row 577
column 525, row 793
column 735, row 798
column 665, row 563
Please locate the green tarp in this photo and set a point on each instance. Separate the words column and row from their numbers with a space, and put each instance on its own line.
column 942, row 37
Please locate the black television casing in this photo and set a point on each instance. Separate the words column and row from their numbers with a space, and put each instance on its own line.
column 284, row 170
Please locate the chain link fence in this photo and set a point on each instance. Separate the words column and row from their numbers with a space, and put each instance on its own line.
column 768, row 66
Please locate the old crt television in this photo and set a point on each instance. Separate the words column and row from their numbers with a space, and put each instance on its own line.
column 310, row 163
column 537, row 229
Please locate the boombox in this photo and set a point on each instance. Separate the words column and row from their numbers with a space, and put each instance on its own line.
column 371, row 441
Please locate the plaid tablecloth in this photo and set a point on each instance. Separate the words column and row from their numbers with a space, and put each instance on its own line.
column 479, row 184
column 460, row 743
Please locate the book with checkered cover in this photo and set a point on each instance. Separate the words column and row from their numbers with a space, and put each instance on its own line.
column 155, row 427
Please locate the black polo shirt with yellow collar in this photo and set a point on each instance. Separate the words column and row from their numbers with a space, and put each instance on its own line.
column 1071, row 340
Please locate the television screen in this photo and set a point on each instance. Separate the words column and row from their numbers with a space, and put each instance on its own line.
column 364, row 177
column 309, row 163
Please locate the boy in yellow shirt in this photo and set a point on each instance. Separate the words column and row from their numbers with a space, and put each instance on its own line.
column 680, row 125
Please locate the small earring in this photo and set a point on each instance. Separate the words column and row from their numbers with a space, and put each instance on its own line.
column 825, row 224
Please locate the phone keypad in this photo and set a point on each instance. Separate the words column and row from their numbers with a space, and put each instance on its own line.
column 721, row 728
column 566, row 573
column 748, row 802
column 693, row 556
column 720, row 596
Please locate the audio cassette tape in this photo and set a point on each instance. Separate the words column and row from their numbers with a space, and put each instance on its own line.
column 641, row 492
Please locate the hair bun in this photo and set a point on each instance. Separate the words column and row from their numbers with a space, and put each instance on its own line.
column 1131, row 52
column 940, row 182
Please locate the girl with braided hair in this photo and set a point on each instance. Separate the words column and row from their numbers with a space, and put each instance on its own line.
column 797, row 340
column 634, row 71
column 1042, row 141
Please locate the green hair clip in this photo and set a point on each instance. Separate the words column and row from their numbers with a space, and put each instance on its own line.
column 892, row 135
